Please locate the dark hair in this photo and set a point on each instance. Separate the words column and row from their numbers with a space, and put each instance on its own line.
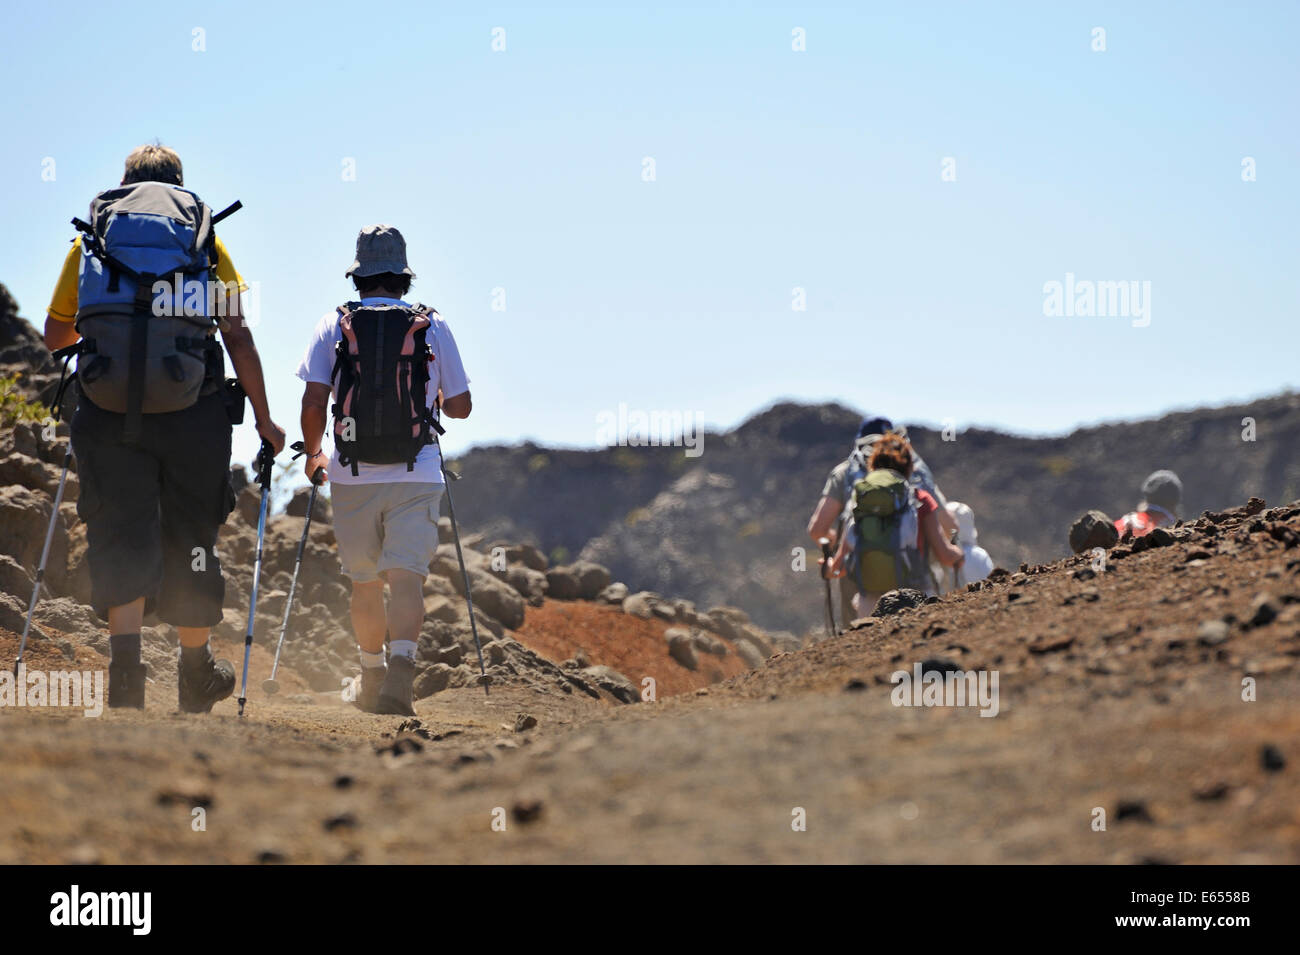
column 394, row 281
column 894, row 452
column 874, row 426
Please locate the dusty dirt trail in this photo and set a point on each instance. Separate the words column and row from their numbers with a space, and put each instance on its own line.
column 1112, row 695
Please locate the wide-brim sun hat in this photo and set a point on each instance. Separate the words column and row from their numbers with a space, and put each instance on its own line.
column 380, row 249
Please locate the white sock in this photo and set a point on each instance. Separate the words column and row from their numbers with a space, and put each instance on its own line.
column 403, row 648
column 371, row 660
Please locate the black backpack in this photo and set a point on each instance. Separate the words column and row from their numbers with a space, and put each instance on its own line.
column 381, row 374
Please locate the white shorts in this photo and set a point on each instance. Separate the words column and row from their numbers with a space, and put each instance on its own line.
column 383, row 527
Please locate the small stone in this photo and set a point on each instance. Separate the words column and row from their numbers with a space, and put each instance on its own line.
column 526, row 810
column 1211, row 791
column 524, row 721
column 939, row 665
column 896, row 601
column 1050, row 644
column 1132, row 809
column 1271, row 758
column 1092, row 529
column 855, row 685
column 189, row 792
column 1263, row 610
column 83, row 854
column 1211, row 633
column 344, row 820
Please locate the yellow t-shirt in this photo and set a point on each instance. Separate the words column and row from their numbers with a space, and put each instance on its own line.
column 63, row 306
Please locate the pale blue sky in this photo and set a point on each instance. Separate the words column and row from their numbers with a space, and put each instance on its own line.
column 775, row 169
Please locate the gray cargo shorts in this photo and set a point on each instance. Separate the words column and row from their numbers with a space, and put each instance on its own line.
column 383, row 527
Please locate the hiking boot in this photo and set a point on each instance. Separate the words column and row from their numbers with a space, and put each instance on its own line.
column 203, row 683
column 396, row 696
column 372, row 682
column 126, row 685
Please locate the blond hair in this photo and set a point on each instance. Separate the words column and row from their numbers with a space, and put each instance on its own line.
column 153, row 162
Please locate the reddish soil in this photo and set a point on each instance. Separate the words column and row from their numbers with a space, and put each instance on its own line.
column 558, row 630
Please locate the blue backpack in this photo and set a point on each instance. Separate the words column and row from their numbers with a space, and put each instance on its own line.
column 147, row 305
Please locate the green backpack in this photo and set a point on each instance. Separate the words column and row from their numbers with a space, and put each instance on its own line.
column 883, row 525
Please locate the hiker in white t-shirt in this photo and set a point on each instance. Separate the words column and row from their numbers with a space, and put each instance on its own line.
column 977, row 564
column 380, row 365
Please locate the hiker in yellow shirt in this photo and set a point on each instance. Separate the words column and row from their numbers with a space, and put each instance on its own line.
column 155, row 474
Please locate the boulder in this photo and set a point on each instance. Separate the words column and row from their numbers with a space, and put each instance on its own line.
column 1092, row 529
column 434, row 678
column 680, row 647
column 749, row 654
column 526, row 554
column 531, row 584
column 641, row 604
column 496, row 598
column 37, row 474
column 613, row 594
column 894, row 601
column 612, row 682
column 247, row 504
column 685, row 612
column 563, row 584
column 726, row 622
column 14, row 578
column 757, row 637
column 321, row 511
column 707, row 643
column 592, row 578
column 24, row 519
column 69, row 616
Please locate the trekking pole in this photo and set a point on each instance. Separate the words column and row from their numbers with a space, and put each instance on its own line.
column 270, row 687
column 262, row 465
column 45, row 556
column 826, row 569
column 447, row 478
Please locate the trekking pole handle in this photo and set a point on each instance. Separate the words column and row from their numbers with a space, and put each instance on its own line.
column 825, row 543
column 317, row 476
column 263, row 463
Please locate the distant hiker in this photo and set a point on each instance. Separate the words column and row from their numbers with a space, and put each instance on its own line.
column 1162, row 499
column 385, row 469
column 976, row 564
column 830, row 515
column 893, row 530
column 144, row 291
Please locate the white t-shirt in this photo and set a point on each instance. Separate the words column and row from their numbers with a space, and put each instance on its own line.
column 445, row 372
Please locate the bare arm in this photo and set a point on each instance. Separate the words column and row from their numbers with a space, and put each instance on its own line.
column 822, row 523
column 458, row 406
column 947, row 554
column 947, row 522
column 248, row 369
column 315, row 407
column 59, row 334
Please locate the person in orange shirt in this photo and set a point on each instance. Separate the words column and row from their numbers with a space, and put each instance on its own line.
column 1162, row 497
column 155, row 488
